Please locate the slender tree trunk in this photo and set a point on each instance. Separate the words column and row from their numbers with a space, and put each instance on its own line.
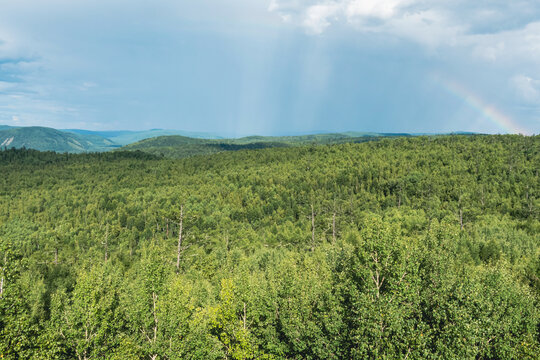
column 106, row 243
column 482, row 198
column 312, row 228
column 86, row 339
column 153, row 340
column 461, row 219
column 334, row 227
column 179, row 249
column 244, row 319
column 2, row 285
column 376, row 278
column 399, row 197
column 154, row 299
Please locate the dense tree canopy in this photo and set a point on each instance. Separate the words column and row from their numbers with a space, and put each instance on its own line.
column 415, row 248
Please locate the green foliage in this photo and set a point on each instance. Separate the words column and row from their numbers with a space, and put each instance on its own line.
column 89, row 318
column 417, row 248
column 176, row 146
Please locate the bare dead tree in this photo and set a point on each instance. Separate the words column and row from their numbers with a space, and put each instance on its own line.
column 334, row 227
column 377, row 280
column 460, row 213
column 312, row 227
column 154, row 299
column 181, row 235
column 482, row 200
column 105, row 243
column 2, row 281
column 56, row 239
column 400, row 190
column 179, row 248
column 244, row 317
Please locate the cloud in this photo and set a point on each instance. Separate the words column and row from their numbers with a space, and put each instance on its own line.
column 527, row 88
column 412, row 20
column 517, row 45
column 433, row 22
column 128, row 62
column 383, row 9
column 317, row 17
column 478, row 37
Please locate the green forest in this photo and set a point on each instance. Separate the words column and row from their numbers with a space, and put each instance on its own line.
column 177, row 147
column 398, row 248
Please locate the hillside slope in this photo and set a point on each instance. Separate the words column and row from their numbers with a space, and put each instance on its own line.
column 125, row 137
column 181, row 146
column 48, row 139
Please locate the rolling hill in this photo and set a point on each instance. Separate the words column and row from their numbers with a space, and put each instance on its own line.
column 168, row 143
column 177, row 146
column 48, row 139
column 125, row 137
column 181, row 146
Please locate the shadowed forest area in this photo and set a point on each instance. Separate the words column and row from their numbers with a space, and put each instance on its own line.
column 403, row 248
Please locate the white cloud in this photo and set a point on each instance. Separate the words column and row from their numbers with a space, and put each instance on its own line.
column 317, row 17
column 427, row 27
column 382, row 9
column 527, row 88
column 522, row 45
column 432, row 23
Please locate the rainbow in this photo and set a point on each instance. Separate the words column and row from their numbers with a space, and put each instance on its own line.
column 488, row 111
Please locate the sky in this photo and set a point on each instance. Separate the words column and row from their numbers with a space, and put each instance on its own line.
column 272, row 67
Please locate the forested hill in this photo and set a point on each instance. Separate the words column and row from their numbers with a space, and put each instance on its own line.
column 169, row 143
column 181, row 146
column 48, row 139
column 124, row 137
column 417, row 248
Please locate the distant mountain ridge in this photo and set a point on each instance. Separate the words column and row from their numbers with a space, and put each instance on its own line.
column 78, row 140
column 124, row 137
column 173, row 143
column 170, row 143
column 48, row 139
